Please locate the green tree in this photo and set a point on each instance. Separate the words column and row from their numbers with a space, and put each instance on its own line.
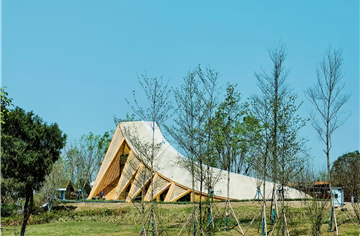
column 8, row 186
column 345, row 173
column 29, row 149
column 128, row 118
column 230, row 126
column 234, row 130
column 83, row 157
column 55, row 179
column 5, row 103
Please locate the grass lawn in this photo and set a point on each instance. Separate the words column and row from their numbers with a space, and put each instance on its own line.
column 123, row 219
column 75, row 228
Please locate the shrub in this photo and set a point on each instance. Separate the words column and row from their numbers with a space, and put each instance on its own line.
column 8, row 209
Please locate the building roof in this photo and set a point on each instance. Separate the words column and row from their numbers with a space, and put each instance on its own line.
column 167, row 163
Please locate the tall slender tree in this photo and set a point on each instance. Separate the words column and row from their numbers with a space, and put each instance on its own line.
column 274, row 88
column 157, row 113
column 230, row 126
column 147, row 152
column 184, row 132
column 196, row 106
column 328, row 100
column 283, row 149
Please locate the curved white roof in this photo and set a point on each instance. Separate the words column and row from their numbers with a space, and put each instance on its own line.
column 167, row 163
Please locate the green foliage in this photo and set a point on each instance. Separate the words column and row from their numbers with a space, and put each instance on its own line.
column 5, row 103
column 128, row 118
column 8, row 209
column 345, row 173
column 9, row 190
column 57, row 178
column 83, row 157
column 29, row 149
column 323, row 175
column 316, row 212
column 232, row 128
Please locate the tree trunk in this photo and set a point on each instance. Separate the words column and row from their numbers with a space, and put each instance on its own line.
column 328, row 168
column 264, row 196
column 27, row 211
column 200, row 202
column 283, row 209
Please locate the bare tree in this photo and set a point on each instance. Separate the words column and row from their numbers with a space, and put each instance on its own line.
column 274, row 88
column 157, row 95
column 205, row 149
column 327, row 98
column 282, row 151
column 184, row 132
column 197, row 101
column 147, row 155
column 261, row 110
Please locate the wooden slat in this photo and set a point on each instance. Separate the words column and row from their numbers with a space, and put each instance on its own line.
column 127, row 174
column 142, row 177
column 113, row 149
column 181, row 195
column 178, row 191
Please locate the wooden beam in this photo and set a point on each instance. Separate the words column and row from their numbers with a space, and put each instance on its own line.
column 181, row 195
column 169, row 192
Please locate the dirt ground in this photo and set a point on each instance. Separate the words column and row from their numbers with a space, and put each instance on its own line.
column 115, row 205
column 118, row 205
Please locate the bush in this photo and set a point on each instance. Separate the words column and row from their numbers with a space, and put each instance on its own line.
column 7, row 209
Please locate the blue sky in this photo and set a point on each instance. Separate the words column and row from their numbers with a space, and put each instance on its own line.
column 74, row 62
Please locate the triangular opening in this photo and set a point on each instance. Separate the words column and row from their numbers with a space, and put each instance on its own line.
column 146, row 187
column 123, row 159
column 127, row 190
column 186, row 198
column 110, row 187
column 163, row 194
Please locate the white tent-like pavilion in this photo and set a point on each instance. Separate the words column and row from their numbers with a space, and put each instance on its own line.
column 125, row 175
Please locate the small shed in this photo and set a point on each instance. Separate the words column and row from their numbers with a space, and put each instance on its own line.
column 61, row 193
column 69, row 192
column 338, row 194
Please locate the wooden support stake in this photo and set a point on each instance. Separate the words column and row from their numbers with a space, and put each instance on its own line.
column 217, row 213
column 253, row 219
column 273, row 228
column 336, row 227
column 236, row 218
column 287, row 228
column 188, row 221
column 347, row 213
